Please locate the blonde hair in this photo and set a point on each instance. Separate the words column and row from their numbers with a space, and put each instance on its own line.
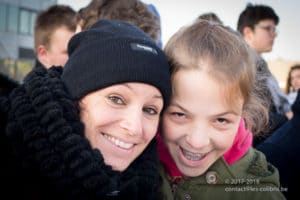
column 230, row 60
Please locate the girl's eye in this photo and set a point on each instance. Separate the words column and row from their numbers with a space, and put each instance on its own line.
column 178, row 115
column 150, row 111
column 222, row 121
column 116, row 100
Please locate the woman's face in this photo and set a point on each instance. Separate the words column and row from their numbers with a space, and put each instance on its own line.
column 199, row 126
column 295, row 79
column 121, row 120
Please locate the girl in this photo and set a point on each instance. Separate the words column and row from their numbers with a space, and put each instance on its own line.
column 293, row 83
column 207, row 151
column 86, row 132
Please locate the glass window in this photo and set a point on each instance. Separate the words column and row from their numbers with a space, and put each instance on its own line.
column 24, row 22
column 12, row 18
column 32, row 22
column 3, row 17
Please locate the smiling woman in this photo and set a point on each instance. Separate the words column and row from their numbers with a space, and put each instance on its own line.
column 86, row 131
column 121, row 120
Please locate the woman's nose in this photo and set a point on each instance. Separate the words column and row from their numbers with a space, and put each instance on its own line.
column 132, row 122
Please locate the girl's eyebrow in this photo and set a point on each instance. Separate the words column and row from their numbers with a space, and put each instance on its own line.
column 180, row 107
column 230, row 112
column 219, row 114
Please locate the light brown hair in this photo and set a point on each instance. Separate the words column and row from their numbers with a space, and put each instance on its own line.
column 49, row 20
column 230, row 60
column 131, row 11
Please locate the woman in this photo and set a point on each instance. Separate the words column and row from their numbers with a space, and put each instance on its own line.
column 293, row 83
column 86, row 131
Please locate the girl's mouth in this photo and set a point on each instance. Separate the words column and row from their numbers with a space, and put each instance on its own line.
column 192, row 156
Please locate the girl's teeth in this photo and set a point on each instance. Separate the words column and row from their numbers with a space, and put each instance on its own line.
column 191, row 156
column 119, row 143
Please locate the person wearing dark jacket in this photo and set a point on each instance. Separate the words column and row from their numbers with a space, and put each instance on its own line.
column 282, row 150
column 86, row 131
column 7, row 84
column 257, row 24
column 53, row 29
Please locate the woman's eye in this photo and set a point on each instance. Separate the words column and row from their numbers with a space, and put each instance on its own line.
column 116, row 100
column 150, row 111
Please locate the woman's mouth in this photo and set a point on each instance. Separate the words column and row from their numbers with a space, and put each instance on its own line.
column 118, row 142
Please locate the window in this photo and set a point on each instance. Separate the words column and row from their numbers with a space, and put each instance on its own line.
column 32, row 22
column 12, row 25
column 27, row 19
column 24, row 22
column 3, row 14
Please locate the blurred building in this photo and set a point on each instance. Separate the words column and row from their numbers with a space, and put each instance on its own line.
column 17, row 18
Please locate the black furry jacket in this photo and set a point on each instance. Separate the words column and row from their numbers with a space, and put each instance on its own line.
column 47, row 156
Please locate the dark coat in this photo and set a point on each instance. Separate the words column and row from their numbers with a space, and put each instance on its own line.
column 7, row 84
column 269, row 91
column 282, row 149
column 9, row 167
column 48, row 157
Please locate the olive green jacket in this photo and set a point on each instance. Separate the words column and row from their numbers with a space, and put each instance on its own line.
column 249, row 178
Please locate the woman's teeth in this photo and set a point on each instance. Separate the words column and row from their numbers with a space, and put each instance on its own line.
column 118, row 142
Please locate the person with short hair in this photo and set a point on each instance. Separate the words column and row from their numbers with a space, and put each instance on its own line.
column 53, row 29
column 132, row 11
column 258, row 26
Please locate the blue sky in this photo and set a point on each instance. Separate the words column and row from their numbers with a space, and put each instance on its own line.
column 174, row 15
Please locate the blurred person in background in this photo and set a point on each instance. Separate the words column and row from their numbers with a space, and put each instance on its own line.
column 257, row 24
column 53, row 29
column 132, row 11
column 293, row 83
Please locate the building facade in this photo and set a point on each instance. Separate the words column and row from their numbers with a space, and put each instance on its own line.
column 17, row 18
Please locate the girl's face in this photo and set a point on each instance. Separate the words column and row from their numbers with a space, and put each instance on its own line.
column 199, row 126
column 295, row 79
column 121, row 120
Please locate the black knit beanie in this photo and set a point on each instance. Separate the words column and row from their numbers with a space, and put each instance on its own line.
column 113, row 52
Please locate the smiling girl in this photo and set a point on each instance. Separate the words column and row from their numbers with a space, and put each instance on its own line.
column 205, row 146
